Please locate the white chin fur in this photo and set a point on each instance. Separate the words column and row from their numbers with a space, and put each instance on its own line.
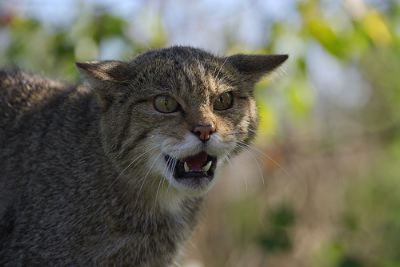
column 189, row 146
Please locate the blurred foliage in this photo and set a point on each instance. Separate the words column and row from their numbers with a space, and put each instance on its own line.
column 355, row 35
column 277, row 236
column 31, row 44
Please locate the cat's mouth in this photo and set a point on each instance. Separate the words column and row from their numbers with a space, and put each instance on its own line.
column 193, row 168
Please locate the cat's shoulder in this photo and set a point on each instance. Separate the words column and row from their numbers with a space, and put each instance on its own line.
column 16, row 82
column 21, row 90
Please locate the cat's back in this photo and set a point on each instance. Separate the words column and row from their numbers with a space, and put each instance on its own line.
column 23, row 99
column 40, row 116
column 22, row 94
column 48, row 137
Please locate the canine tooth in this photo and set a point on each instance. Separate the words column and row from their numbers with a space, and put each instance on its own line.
column 207, row 166
column 186, row 167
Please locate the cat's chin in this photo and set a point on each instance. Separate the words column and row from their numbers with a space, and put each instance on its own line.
column 194, row 174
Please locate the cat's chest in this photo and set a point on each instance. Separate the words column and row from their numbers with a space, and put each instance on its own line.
column 134, row 240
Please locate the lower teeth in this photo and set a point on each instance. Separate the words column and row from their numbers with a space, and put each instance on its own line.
column 186, row 167
column 205, row 168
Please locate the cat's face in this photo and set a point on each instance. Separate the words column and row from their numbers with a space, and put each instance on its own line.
column 177, row 114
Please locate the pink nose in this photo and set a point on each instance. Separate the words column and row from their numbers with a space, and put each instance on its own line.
column 204, row 131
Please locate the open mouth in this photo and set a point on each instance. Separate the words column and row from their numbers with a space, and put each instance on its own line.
column 194, row 167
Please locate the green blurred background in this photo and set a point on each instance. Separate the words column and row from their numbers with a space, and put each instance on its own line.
column 321, row 185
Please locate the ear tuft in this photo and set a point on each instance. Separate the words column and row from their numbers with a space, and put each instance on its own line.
column 255, row 66
column 108, row 70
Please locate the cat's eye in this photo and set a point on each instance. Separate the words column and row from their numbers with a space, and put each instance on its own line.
column 165, row 104
column 223, row 101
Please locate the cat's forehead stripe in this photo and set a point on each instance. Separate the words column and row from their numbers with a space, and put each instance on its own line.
column 200, row 77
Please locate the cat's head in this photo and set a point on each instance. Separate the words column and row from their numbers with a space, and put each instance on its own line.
column 177, row 114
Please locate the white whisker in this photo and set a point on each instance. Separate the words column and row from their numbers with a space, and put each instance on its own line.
column 132, row 162
column 259, row 169
column 145, row 176
column 220, row 68
column 174, row 161
column 158, row 189
column 252, row 148
column 228, row 159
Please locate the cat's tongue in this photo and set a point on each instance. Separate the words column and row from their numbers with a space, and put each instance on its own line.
column 197, row 161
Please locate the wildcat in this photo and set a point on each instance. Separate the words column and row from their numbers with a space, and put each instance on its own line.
column 113, row 173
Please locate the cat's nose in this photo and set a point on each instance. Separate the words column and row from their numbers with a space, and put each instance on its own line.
column 204, row 132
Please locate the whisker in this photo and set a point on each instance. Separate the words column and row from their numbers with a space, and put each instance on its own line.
column 228, row 159
column 145, row 176
column 162, row 180
column 242, row 132
column 138, row 157
column 164, row 171
column 259, row 170
column 252, row 148
column 132, row 162
column 217, row 70
column 174, row 161
column 158, row 188
column 220, row 68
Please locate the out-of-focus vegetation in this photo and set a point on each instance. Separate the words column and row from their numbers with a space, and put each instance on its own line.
column 321, row 187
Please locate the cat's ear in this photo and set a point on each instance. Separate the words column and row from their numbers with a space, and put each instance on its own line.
column 106, row 78
column 96, row 72
column 253, row 67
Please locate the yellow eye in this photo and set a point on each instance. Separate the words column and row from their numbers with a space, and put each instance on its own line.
column 223, row 101
column 165, row 104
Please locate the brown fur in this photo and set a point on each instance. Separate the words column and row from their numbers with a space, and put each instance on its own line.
column 79, row 184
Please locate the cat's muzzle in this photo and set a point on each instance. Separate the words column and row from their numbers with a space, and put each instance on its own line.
column 194, row 169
